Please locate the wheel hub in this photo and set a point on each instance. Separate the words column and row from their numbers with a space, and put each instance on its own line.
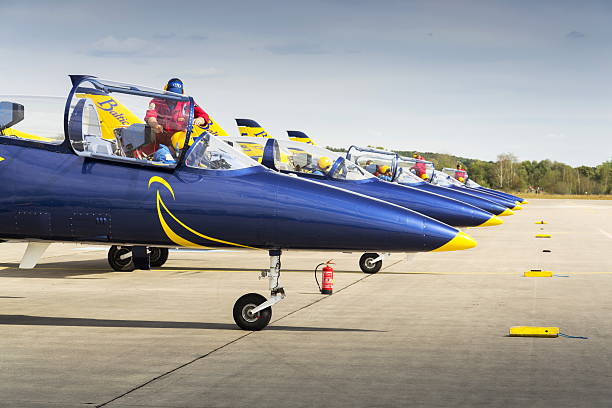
column 248, row 315
column 369, row 263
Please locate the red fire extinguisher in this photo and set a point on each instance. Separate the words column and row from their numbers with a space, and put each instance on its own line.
column 327, row 280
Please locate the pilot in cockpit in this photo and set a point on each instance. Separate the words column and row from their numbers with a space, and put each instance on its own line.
column 323, row 166
column 166, row 117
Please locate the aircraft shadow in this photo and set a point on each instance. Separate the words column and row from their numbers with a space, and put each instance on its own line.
column 56, row 269
column 68, row 269
column 25, row 320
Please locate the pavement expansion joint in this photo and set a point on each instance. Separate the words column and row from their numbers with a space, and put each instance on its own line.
column 167, row 373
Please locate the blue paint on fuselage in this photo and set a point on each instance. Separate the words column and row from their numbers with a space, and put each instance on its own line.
column 483, row 194
column 497, row 193
column 441, row 208
column 52, row 194
column 464, row 196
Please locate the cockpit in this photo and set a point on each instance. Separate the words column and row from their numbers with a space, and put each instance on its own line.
column 380, row 163
column 296, row 157
column 113, row 121
column 458, row 174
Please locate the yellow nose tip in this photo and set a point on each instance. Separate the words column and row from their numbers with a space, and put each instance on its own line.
column 517, row 206
column 494, row 220
column 525, row 202
column 461, row 241
column 506, row 212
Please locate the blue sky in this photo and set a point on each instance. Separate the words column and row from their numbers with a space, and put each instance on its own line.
column 473, row 78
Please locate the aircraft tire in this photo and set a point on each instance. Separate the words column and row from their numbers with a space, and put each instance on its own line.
column 116, row 262
column 158, row 256
column 366, row 264
column 246, row 303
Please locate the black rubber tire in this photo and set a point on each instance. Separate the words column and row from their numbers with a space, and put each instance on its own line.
column 257, row 322
column 114, row 259
column 158, row 256
column 366, row 265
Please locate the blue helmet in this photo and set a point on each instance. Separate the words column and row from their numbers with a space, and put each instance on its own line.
column 174, row 85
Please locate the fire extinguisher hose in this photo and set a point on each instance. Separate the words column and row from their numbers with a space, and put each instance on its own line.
column 315, row 274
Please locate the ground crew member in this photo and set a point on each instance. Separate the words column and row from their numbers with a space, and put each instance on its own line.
column 460, row 174
column 166, row 117
column 420, row 167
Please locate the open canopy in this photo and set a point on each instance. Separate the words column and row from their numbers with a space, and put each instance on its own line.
column 128, row 123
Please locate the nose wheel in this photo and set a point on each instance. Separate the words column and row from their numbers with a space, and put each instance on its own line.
column 244, row 316
column 253, row 311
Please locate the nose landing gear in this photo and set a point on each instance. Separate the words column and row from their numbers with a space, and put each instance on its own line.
column 252, row 311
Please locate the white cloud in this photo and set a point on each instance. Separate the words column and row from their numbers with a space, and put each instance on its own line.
column 112, row 46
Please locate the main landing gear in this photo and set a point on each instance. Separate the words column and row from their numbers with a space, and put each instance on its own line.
column 120, row 257
column 252, row 311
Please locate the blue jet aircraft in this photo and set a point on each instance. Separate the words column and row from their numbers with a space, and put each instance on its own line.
column 403, row 172
column 317, row 163
column 90, row 170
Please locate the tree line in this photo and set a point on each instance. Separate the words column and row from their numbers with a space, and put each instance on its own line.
column 509, row 174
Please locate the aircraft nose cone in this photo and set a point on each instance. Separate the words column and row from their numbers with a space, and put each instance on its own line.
column 517, row 206
column 506, row 212
column 459, row 242
column 494, row 220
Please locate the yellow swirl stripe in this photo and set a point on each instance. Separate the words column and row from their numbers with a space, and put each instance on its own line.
column 171, row 234
column 200, row 234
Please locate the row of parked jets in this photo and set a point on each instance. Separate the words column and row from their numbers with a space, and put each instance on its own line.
column 98, row 182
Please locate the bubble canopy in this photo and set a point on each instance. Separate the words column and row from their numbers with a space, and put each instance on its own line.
column 128, row 123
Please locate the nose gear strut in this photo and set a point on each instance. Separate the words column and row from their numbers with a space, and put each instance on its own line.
column 252, row 311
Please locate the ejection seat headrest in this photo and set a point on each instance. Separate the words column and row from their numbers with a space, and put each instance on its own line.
column 11, row 113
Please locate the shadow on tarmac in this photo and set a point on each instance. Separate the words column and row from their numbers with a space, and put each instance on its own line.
column 25, row 320
column 68, row 269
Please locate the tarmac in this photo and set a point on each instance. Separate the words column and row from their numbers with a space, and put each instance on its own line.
column 429, row 330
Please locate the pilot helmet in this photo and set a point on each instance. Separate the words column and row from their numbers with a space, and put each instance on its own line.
column 415, row 155
column 461, row 179
column 424, row 176
column 178, row 140
column 324, row 163
column 384, row 169
column 174, row 85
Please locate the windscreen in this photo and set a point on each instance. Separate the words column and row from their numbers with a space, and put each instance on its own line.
column 379, row 163
column 209, row 152
column 423, row 169
column 129, row 123
column 309, row 159
column 442, row 179
column 472, row 184
column 33, row 118
column 458, row 174
column 405, row 174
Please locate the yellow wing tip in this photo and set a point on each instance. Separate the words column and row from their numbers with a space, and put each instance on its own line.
column 459, row 242
column 494, row 220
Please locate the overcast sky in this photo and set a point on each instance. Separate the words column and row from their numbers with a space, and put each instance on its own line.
column 472, row 78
